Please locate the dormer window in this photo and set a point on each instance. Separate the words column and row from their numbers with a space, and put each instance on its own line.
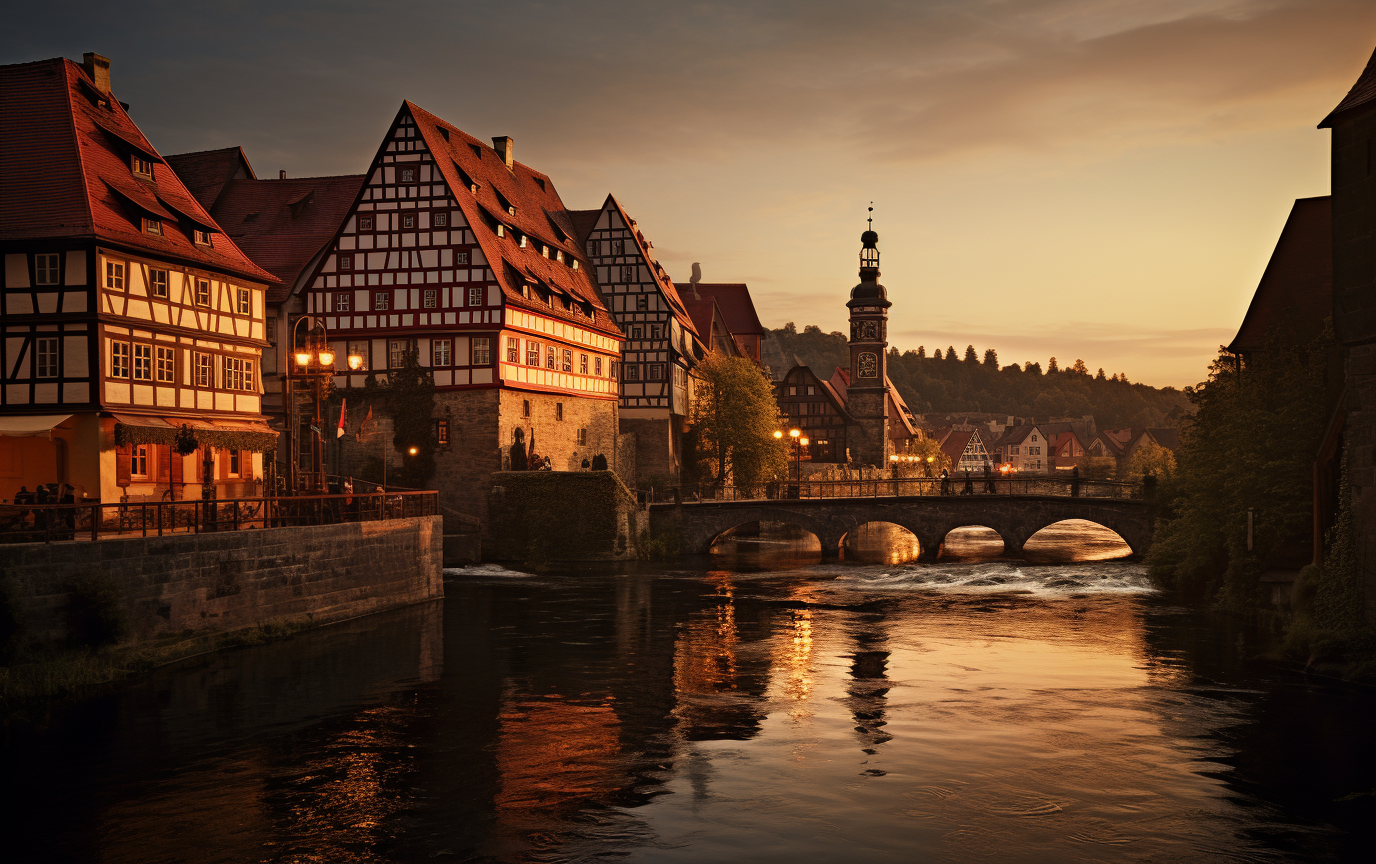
column 141, row 167
column 152, row 226
column 559, row 255
column 501, row 230
column 575, row 263
column 544, row 251
column 202, row 238
column 524, row 241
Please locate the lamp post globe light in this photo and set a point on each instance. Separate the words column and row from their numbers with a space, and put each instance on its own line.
column 314, row 363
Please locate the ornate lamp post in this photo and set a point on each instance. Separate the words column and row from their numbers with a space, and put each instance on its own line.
column 313, row 361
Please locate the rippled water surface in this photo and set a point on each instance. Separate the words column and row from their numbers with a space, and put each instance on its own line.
column 746, row 708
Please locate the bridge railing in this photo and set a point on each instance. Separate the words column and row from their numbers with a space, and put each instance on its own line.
column 998, row 485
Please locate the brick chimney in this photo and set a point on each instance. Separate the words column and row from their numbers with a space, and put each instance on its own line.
column 282, row 175
column 503, row 145
column 98, row 68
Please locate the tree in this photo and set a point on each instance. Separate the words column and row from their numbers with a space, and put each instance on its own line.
column 1100, row 376
column 789, row 328
column 1034, row 368
column 1151, row 458
column 970, row 355
column 991, row 358
column 1079, row 368
column 1052, row 368
column 735, row 417
column 921, row 352
column 951, row 353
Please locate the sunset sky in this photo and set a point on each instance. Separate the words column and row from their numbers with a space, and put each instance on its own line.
column 1101, row 179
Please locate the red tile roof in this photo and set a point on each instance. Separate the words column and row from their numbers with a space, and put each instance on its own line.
column 705, row 313
column 282, row 224
column 206, row 172
column 540, row 215
column 954, row 444
column 65, row 172
column 1295, row 294
column 735, row 303
column 1362, row 93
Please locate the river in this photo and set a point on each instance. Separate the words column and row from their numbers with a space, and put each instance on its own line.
column 758, row 705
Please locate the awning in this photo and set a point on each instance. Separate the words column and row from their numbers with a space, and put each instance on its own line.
column 222, row 434
column 27, row 426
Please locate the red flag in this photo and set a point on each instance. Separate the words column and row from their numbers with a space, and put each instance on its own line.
column 364, row 428
column 343, row 412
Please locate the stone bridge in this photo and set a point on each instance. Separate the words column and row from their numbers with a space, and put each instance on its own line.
column 695, row 526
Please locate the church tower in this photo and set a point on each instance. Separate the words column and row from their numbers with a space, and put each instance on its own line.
column 867, row 396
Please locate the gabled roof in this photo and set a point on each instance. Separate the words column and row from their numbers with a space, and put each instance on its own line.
column 206, row 172
column 735, row 303
column 665, row 284
column 584, row 221
column 900, row 408
column 954, row 444
column 65, row 171
column 1111, row 444
column 539, row 215
column 1017, row 434
column 710, row 326
column 1295, row 294
column 1362, row 93
column 838, row 402
column 1059, row 439
column 1166, row 436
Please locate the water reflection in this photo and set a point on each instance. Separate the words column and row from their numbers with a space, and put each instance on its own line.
column 795, row 711
column 881, row 543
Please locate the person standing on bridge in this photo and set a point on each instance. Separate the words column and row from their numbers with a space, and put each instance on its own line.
column 988, row 480
column 945, row 482
column 969, row 484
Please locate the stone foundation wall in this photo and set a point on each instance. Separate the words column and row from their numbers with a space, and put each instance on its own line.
column 218, row 582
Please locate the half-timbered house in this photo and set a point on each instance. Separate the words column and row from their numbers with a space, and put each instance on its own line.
column 662, row 345
column 812, row 406
column 285, row 225
column 131, row 320
column 459, row 253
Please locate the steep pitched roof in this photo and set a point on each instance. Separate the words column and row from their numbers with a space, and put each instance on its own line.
column 1295, row 294
column 206, row 172
column 954, row 444
column 1016, row 434
column 583, row 223
column 539, row 214
column 711, row 326
column 1166, row 436
column 666, row 285
column 65, row 159
column 1362, row 93
column 838, row 402
column 735, row 303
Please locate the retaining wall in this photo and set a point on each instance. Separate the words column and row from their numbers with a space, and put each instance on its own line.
column 224, row 581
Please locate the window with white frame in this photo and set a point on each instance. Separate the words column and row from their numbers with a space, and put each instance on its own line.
column 582, row 364
column 461, row 258
column 119, row 359
column 245, row 302
column 141, row 166
column 440, row 352
column 431, row 298
column 382, row 301
column 550, row 357
column 232, row 377
column 205, row 371
column 568, row 360
column 157, row 282
column 532, row 353
column 481, row 351
column 143, row 362
column 513, row 349
column 152, row 226
column 138, row 461
column 202, row 292
column 45, row 353
column 202, row 238
column 346, row 262
column 631, row 371
column 475, row 296
column 342, row 302
column 114, row 275
column 167, row 365
column 439, row 220
column 45, row 269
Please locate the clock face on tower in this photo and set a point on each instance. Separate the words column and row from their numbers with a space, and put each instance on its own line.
column 867, row 365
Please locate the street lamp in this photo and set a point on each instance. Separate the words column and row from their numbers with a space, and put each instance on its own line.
column 315, row 363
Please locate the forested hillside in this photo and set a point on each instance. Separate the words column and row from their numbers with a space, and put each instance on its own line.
column 948, row 381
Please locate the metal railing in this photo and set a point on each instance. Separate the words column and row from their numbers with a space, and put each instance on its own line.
column 976, row 485
column 48, row 523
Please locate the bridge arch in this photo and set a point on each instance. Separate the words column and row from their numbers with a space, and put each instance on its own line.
column 974, row 541
column 1095, row 539
column 882, row 541
column 798, row 519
